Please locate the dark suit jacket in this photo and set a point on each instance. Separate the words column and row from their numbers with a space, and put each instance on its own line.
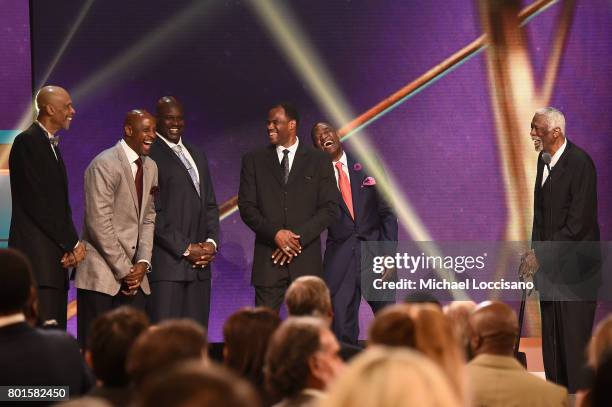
column 41, row 223
column 374, row 221
column 565, row 212
column 183, row 217
column 306, row 205
column 36, row 357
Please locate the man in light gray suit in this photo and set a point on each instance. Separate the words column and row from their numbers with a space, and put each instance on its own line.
column 120, row 184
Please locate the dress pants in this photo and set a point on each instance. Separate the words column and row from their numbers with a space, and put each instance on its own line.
column 180, row 299
column 91, row 304
column 52, row 305
column 566, row 331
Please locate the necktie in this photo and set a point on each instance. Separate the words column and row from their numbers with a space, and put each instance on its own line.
column 345, row 188
column 138, row 180
column 194, row 177
column 285, row 165
column 54, row 140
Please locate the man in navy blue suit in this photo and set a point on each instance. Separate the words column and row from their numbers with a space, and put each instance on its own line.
column 364, row 216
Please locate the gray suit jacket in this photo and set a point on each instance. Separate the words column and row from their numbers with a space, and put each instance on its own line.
column 115, row 234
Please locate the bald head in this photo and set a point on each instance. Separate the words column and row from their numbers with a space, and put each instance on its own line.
column 55, row 110
column 494, row 328
column 170, row 118
column 139, row 130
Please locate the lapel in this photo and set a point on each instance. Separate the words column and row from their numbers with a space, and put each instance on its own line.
column 46, row 145
column 127, row 173
column 147, row 183
column 274, row 165
column 166, row 148
column 299, row 161
column 356, row 181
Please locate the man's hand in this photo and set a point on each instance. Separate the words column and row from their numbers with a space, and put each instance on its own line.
column 73, row 258
column 137, row 273
column 529, row 264
column 288, row 242
column 68, row 260
column 279, row 257
column 201, row 254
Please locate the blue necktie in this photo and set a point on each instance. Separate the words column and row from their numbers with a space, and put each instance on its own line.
column 192, row 173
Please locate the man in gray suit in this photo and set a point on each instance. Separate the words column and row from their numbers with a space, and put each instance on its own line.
column 120, row 184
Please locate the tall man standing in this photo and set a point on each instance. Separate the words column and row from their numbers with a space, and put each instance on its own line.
column 119, row 224
column 565, row 210
column 287, row 197
column 41, row 222
column 364, row 216
column 187, row 222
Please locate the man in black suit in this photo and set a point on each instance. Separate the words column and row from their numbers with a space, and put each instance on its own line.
column 41, row 222
column 29, row 356
column 187, row 223
column 364, row 216
column 287, row 197
column 565, row 235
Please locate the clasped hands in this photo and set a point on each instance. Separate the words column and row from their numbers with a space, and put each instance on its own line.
column 73, row 258
column 529, row 264
column 289, row 246
column 201, row 254
column 132, row 281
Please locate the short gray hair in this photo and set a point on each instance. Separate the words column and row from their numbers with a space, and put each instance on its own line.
column 554, row 118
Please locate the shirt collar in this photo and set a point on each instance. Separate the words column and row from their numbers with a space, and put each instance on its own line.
column 132, row 156
column 557, row 155
column 292, row 149
column 170, row 143
column 49, row 135
column 11, row 319
column 343, row 159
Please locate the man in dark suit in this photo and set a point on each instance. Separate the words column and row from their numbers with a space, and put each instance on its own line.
column 29, row 356
column 565, row 235
column 41, row 222
column 187, row 225
column 364, row 216
column 287, row 197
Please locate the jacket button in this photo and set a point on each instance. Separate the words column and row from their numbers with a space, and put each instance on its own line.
column 133, row 247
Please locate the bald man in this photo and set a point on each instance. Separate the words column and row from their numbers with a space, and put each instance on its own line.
column 41, row 222
column 120, row 184
column 497, row 378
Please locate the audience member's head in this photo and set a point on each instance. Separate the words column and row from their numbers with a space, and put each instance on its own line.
column 393, row 326
column 87, row 401
column 422, row 297
column 601, row 342
column 111, row 336
column 309, row 296
column 164, row 345
column 191, row 384
column 303, row 353
column 246, row 334
column 458, row 313
column 600, row 395
column 16, row 282
column 389, row 377
column 493, row 329
column 435, row 338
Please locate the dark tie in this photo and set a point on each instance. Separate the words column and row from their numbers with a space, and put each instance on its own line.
column 138, row 181
column 285, row 165
column 54, row 140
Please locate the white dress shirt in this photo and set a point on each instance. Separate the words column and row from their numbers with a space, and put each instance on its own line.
column 184, row 151
column 553, row 161
column 345, row 169
column 292, row 150
column 49, row 135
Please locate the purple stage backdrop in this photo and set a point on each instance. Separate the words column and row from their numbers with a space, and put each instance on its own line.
column 219, row 59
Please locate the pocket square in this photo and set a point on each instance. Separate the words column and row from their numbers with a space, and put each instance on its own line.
column 368, row 182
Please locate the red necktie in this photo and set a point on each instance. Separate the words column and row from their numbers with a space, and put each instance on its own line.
column 345, row 188
column 138, row 181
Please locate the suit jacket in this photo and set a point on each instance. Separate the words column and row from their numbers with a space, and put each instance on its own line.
column 501, row 381
column 115, row 233
column 306, row 205
column 41, row 222
column 183, row 216
column 37, row 357
column 565, row 219
column 374, row 221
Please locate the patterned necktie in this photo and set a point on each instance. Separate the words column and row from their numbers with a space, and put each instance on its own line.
column 285, row 165
column 192, row 173
column 345, row 188
column 54, row 140
column 138, row 181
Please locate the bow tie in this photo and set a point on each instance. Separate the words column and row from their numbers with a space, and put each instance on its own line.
column 54, row 140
